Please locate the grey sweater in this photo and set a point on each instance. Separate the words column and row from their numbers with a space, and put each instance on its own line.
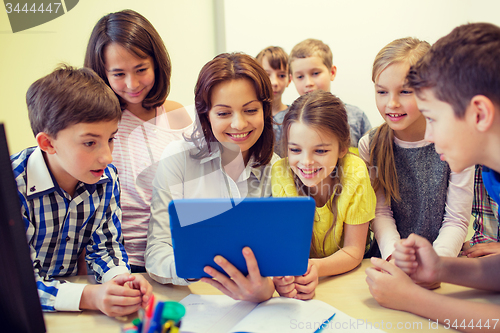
column 423, row 186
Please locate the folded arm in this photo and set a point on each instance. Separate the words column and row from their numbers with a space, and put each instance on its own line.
column 383, row 225
column 457, row 214
column 105, row 251
column 392, row 288
column 159, row 255
column 416, row 257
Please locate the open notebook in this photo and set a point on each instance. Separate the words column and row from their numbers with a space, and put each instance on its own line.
column 220, row 314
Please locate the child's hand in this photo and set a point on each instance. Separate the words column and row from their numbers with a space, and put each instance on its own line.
column 141, row 284
column 466, row 246
column 307, row 283
column 416, row 257
column 388, row 284
column 113, row 298
column 285, row 286
column 253, row 288
column 430, row 286
column 482, row 249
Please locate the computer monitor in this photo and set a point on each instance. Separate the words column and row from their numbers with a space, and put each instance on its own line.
column 20, row 309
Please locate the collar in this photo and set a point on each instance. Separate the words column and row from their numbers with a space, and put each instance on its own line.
column 249, row 170
column 492, row 174
column 491, row 180
column 40, row 181
column 216, row 154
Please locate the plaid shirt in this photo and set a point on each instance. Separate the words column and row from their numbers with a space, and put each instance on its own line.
column 485, row 212
column 59, row 228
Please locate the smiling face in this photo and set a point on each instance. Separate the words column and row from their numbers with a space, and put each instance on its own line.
column 236, row 117
column 310, row 74
column 81, row 152
column 455, row 140
column 313, row 155
column 397, row 104
column 129, row 76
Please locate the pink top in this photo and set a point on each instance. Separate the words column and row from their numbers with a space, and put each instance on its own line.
column 138, row 148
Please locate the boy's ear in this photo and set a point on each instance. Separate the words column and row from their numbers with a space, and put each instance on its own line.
column 333, row 72
column 483, row 112
column 44, row 141
column 289, row 80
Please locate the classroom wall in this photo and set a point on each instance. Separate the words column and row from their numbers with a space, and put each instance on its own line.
column 355, row 30
column 194, row 31
column 187, row 28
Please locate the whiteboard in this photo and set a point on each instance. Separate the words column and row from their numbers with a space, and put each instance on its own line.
column 355, row 31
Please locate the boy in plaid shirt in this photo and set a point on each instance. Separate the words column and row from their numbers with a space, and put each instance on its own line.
column 69, row 195
column 486, row 238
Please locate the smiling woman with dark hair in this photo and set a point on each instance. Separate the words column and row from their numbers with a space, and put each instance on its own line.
column 229, row 155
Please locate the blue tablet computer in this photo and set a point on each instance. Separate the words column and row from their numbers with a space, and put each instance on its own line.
column 278, row 230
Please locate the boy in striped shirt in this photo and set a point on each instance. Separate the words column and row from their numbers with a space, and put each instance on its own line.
column 69, row 195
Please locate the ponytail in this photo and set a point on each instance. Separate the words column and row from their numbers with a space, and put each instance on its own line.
column 382, row 157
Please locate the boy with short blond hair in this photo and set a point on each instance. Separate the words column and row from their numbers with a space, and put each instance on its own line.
column 274, row 60
column 457, row 84
column 312, row 47
column 311, row 68
column 69, row 195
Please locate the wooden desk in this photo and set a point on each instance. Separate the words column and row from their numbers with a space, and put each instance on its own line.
column 347, row 292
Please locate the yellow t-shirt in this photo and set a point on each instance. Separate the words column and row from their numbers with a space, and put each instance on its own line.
column 355, row 205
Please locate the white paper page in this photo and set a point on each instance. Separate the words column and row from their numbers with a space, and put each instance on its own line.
column 213, row 313
column 347, row 324
column 291, row 315
column 286, row 315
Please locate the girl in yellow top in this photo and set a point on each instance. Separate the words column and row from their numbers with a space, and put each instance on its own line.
column 316, row 132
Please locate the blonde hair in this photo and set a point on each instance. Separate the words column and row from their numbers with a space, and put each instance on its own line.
column 312, row 47
column 404, row 50
column 322, row 111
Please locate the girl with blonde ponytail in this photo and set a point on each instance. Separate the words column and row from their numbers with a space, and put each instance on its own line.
column 416, row 191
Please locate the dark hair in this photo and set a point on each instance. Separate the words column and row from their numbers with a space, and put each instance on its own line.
column 276, row 56
column 135, row 33
column 460, row 65
column 227, row 67
column 325, row 112
column 69, row 96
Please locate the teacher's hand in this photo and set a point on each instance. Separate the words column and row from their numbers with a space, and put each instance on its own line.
column 253, row 287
